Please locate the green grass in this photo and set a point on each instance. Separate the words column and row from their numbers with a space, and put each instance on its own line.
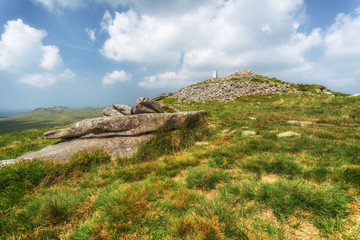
column 235, row 187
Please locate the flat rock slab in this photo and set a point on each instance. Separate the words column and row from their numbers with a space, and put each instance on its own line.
column 115, row 146
column 248, row 133
column 125, row 125
column 288, row 134
column 299, row 122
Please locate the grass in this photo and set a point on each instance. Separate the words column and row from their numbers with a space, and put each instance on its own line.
column 233, row 187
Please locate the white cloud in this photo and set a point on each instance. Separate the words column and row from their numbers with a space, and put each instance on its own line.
column 67, row 73
column 116, row 76
column 39, row 80
column 23, row 54
column 51, row 58
column 187, row 39
column 91, row 34
column 342, row 38
column 338, row 67
column 16, row 53
column 140, row 39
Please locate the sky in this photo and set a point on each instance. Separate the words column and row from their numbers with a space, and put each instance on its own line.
column 94, row 53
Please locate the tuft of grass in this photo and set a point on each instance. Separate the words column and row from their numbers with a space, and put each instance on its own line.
column 352, row 175
column 284, row 198
column 205, row 178
column 222, row 158
column 84, row 160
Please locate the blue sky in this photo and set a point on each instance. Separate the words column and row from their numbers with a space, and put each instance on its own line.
column 87, row 53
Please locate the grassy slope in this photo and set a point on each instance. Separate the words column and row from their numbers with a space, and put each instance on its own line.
column 43, row 118
column 236, row 187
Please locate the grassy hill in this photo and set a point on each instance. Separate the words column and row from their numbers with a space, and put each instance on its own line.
column 47, row 117
column 226, row 186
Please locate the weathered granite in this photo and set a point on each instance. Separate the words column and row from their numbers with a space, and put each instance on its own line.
column 146, row 105
column 115, row 146
column 109, row 111
column 124, row 109
column 126, row 125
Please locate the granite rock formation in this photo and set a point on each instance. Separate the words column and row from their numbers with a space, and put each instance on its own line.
column 119, row 135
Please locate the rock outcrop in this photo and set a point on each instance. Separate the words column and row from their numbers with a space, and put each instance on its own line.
column 120, row 134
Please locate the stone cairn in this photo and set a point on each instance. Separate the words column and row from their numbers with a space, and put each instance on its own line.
column 120, row 132
column 229, row 87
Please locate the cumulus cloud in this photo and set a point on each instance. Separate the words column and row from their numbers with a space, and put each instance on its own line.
column 342, row 38
column 140, row 39
column 116, row 76
column 32, row 61
column 212, row 35
column 50, row 57
column 337, row 67
column 173, row 80
column 189, row 38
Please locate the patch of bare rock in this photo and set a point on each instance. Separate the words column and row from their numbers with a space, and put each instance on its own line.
column 120, row 133
column 230, row 87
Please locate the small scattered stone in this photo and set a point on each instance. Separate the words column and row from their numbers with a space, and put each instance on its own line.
column 232, row 132
column 212, row 126
column 225, row 131
column 299, row 122
column 288, row 134
column 245, row 127
column 201, row 143
column 248, row 133
column 252, row 118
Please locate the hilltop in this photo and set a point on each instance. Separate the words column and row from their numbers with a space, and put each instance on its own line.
column 235, row 176
column 242, row 83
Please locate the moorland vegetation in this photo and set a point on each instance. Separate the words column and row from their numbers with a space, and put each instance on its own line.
column 200, row 182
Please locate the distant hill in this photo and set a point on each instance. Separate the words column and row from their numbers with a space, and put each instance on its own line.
column 47, row 117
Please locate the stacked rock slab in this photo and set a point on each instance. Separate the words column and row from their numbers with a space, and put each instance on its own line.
column 143, row 105
column 119, row 135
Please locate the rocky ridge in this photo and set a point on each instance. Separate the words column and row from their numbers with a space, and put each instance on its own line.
column 243, row 82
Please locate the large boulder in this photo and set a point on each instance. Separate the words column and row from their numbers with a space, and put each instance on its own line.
column 125, row 125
